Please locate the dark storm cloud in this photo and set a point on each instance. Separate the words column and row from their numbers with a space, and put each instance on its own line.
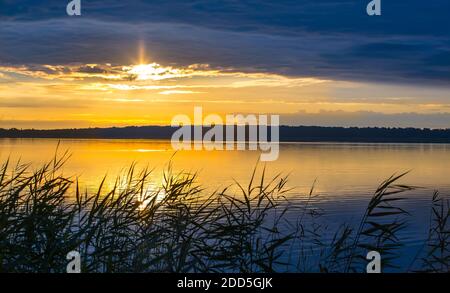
column 410, row 42
column 92, row 69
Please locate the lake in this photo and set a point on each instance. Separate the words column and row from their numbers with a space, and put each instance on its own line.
column 345, row 174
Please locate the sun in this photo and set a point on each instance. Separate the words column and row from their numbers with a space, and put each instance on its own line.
column 143, row 69
column 153, row 71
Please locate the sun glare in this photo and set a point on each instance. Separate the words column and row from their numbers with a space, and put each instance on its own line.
column 152, row 71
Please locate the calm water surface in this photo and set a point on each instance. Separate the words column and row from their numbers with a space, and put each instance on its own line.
column 346, row 174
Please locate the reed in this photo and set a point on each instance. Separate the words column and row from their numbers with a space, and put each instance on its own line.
column 179, row 227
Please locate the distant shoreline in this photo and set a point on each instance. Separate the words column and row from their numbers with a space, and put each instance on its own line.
column 287, row 134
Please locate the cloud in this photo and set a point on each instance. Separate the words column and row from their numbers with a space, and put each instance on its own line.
column 328, row 40
column 125, row 100
column 264, row 16
column 33, row 102
column 287, row 55
column 66, row 72
column 367, row 119
column 178, row 92
column 152, row 76
column 4, row 76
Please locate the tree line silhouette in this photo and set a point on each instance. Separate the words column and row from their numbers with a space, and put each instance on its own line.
column 287, row 133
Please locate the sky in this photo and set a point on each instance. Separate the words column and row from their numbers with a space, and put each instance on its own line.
column 142, row 62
